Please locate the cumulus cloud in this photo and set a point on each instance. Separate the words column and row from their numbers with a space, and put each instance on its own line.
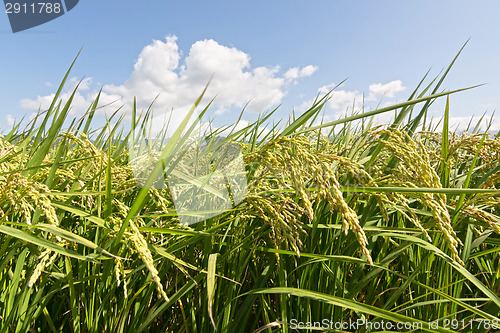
column 296, row 72
column 344, row 102
column 460, row 124
column 176, row 81
column 342, row 99
column 379, row 90
column 235, row 128
column 39, row 101
column 82, row 99
column 10, row 119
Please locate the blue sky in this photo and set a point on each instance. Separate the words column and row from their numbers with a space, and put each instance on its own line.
column 265, row 52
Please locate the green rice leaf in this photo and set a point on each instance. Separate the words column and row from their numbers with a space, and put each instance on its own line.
column 347, row 304
column 212, row 262
column 74, row 238
column 43, row 243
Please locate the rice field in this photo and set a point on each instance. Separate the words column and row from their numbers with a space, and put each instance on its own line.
column 341, row 222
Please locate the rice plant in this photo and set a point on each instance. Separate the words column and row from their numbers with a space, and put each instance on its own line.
column 342, row 221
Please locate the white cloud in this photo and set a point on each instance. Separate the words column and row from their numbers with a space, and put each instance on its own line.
column 10, row 120
column 345, row 102
column 161, row 71
column 379, row 90
column 460, row 124
column 233, row 129
column 342, row 100
column 296, row 72
column 33, row 104
column 82, row 99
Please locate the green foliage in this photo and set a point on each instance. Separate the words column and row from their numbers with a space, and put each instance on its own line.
column 357, row 222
